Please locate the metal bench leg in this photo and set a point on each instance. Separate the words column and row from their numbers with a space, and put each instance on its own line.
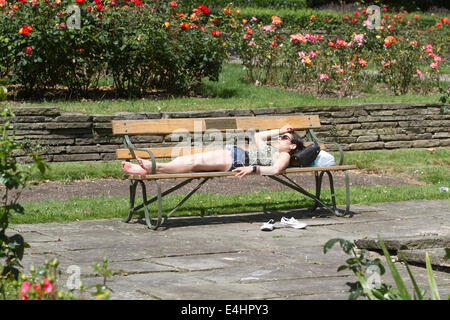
column 318, row 180
column 333, row 197
column 160, row 219
column 347, row 194
column 133, row 185
column 296, row 187
column 159, row 195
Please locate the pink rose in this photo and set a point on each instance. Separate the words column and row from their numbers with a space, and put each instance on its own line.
column 48, row 286
column 25, row 287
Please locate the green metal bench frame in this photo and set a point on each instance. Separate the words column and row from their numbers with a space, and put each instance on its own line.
column 319, row 172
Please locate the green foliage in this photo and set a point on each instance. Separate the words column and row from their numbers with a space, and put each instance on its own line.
column 42, row 284
column 369, row 283
column 218, row 4
column 398, row 4
column 444, row 98
column 359, row 265
column 13, row 179
column 3, row 93
column 291, row 51
column 296, row 20
column 102, row 269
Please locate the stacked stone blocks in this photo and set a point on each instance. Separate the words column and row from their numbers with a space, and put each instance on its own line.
column 375, row 126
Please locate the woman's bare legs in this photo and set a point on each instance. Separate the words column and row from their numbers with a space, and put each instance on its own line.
column 217, row 160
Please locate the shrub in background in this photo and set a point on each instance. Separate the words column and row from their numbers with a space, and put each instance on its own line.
column 405, row 52
column 275, row 4
column 398, row 4
column 142, row 45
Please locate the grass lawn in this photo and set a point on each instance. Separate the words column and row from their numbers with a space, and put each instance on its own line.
column 229, row 92
column 431, row 166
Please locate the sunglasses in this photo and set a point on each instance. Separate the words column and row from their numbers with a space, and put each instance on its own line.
column 285, row 137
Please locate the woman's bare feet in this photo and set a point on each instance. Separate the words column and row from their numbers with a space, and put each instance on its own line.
column 132, row 168
column 145, row 164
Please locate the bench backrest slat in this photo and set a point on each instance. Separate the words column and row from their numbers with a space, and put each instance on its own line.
column 169, row 126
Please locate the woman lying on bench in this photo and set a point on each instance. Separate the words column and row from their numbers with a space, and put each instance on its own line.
column 264, row 160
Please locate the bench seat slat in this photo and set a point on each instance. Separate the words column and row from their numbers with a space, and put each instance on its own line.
column 169, row 126
column 214, row 174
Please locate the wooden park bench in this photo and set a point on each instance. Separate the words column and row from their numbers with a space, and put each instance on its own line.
column 169, row 127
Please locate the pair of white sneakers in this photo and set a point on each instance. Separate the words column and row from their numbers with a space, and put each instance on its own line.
column 292, row 222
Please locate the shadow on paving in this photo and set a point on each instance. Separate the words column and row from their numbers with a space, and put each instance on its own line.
column 248, row 217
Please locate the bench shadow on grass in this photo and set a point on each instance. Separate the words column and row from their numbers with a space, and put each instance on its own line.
column 286, row 209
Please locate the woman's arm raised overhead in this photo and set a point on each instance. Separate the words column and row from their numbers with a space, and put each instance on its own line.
column 262, row 136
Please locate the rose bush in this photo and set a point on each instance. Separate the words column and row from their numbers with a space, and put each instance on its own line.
column 42, row 283
column 396, row 51
column 142, row 45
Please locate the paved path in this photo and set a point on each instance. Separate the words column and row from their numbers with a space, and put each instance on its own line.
column 228, row 257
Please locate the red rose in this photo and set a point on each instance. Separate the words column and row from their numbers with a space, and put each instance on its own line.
column 25, row 29
column 27, row 50
column 184, row 26
column 137, row 2
column 99, row 7
column 356, row 13
column 203, row 8
column 79, row 1
column 215, row 33
column 173, row 4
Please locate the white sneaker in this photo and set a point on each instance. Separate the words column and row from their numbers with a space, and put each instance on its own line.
column 268, row 226
column 293, row 223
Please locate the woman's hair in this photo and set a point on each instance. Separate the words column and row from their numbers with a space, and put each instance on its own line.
column 296, row 139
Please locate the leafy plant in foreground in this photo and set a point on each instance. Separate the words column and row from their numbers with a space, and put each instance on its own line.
column 42, row 284
column 13, row 180
column 375, row 290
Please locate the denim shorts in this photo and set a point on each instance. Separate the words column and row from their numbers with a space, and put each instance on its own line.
column 239, row 157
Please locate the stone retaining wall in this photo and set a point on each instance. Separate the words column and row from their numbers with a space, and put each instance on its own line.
column 80, row 137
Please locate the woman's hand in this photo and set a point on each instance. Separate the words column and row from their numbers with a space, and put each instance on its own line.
column 242, row 171
column 286, row 129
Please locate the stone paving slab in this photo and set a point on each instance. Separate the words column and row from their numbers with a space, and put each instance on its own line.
column 436, row 255
column 406, row 243
column 228, row 257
